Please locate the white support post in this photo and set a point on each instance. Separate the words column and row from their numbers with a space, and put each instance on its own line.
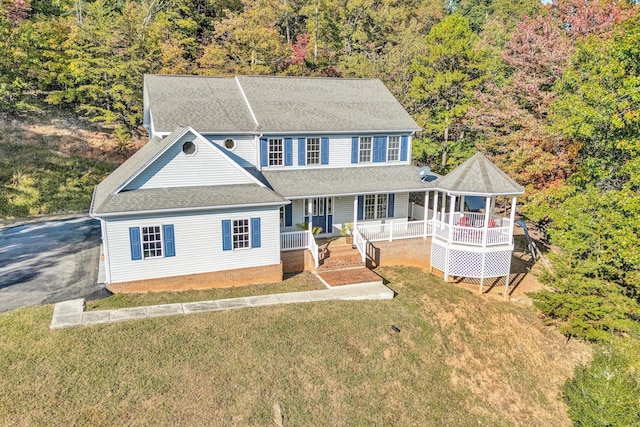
column 310, row 215
column 390, row 223
column 425, row 233
column 512, row 217
column 462, row 204
column 485, row 227
column 452, row 208
column 355, row 211
column 506, row 286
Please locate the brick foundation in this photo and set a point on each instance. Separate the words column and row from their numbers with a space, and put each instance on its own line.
column 297, row 260
column 408, row 252
column 217, row 279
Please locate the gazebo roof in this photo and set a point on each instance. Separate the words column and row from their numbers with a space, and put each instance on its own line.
column 478, row 176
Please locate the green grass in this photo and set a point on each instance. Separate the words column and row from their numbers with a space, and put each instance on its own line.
column 296, row 283
column 35, row 180
column 459, row 359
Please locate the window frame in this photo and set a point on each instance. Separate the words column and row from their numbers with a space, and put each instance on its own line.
column 317, row 153
column 275, row 156
column 158, row 241
column 365, row 152
column 393, row 140
column 375, row 206
column 238, row 231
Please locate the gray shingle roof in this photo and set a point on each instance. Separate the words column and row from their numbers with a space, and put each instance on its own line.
column 204, row 103
column 174, row 198
column 345, row 181
column 128, row 168
column 479, row 176
column 280, row 104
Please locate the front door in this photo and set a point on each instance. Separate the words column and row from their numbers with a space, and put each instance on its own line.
column 322, row 214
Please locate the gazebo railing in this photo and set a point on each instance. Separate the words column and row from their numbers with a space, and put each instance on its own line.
column 474, row 236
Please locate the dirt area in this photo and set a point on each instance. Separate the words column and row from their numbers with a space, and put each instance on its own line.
column 71, row 136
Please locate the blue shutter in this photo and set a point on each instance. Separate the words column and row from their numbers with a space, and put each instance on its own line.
column 288, row 152
column 288, row 215
column 255, row 232
column 324, row 151
column 169, row 242
column 379, row 149
column 226, row 234
column 404, row 147
column 264, row 154
column 354, row 149
column 134, row 241
column 302, row 148
column 390, row 203
column 360, row 207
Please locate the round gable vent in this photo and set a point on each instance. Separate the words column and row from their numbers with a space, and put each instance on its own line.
column 229, row 144
column 189, row 148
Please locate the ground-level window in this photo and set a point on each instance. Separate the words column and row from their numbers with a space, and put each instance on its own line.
column 240, row 233
column 393, row 154
column 375, row 206
column 365, row 149
column 275, row 152
column 313, row 151
column 151, row 242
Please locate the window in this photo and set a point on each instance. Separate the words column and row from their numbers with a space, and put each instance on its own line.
column 313, row 151
column 281, row 216
column 189, row 148
column 375, row 206
column 275, row 152
column 151, row 242
column 393, row 154
column 229, row 144
column 240, row 233
column 365, row 149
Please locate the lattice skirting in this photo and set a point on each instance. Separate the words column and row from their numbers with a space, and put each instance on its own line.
column 469, row 263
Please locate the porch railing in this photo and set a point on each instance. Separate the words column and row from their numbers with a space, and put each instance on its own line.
column 395, row 230
column 474, row 236
column 361, row 243
column 293, row 240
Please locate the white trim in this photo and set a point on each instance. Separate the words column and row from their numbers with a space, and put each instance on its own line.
column 246, row 100
column 182, row 210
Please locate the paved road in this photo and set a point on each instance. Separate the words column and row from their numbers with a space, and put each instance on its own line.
column 49, row 261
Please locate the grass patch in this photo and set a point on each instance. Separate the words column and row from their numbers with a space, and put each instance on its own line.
column 296, row 283
column 459, row 359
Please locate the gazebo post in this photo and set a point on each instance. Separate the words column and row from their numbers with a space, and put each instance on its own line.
column 434, row 223
column 452, row 207
column 427, row 195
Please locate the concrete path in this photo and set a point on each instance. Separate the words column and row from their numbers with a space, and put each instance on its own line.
column 71, row 313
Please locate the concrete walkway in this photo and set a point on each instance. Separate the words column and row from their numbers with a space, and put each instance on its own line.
column 71, row 313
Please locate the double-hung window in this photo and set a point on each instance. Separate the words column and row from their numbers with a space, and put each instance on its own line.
column 313, row 151
column 375, row 206
column 393, row 153
column 240, row 233
column 151, row 242
column 365, row 149
column 276, row 152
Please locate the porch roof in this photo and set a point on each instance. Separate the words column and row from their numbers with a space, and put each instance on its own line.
column 189, row 198
column 300, row 183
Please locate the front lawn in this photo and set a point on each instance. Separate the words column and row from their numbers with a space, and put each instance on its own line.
column 459, row 359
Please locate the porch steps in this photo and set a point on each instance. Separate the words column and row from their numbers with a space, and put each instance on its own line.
column 342, row 265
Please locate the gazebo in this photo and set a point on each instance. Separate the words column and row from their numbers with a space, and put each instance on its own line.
column 470, row 240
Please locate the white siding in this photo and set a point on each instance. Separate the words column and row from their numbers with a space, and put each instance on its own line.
column 176, row 169
column 246, row 148
column 339, row 152
column 198, row 245
column 342, row 211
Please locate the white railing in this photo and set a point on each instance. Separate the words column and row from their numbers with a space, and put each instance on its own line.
column 361, row 243
column 474, row 236
column 313, row 248
column 294, row 240
column 395, row 230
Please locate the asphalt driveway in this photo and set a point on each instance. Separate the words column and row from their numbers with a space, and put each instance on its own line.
column 49, row 261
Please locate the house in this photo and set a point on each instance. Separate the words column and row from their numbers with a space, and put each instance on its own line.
column 234, row 164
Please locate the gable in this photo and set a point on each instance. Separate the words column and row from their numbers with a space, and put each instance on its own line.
column 207, row 166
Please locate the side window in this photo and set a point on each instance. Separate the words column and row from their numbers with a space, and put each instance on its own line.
column 155, row 241
column 241, row 234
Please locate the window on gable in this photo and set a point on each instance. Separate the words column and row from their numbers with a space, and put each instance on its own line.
column 393, row 154
column 313, row 151
column 151, row 242
column 375, row 206
column 275, row 152
column 365, row 149
column 241, row 233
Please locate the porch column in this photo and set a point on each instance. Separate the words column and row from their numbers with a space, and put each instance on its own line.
column 462, row 203
column 485, row 227
column 435, row 207
column 512, row 217
column 310, row 215
column 355, row 211
column 425, row 233
column 452, row 208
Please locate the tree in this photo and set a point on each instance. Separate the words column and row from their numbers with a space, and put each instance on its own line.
column 444, row 82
